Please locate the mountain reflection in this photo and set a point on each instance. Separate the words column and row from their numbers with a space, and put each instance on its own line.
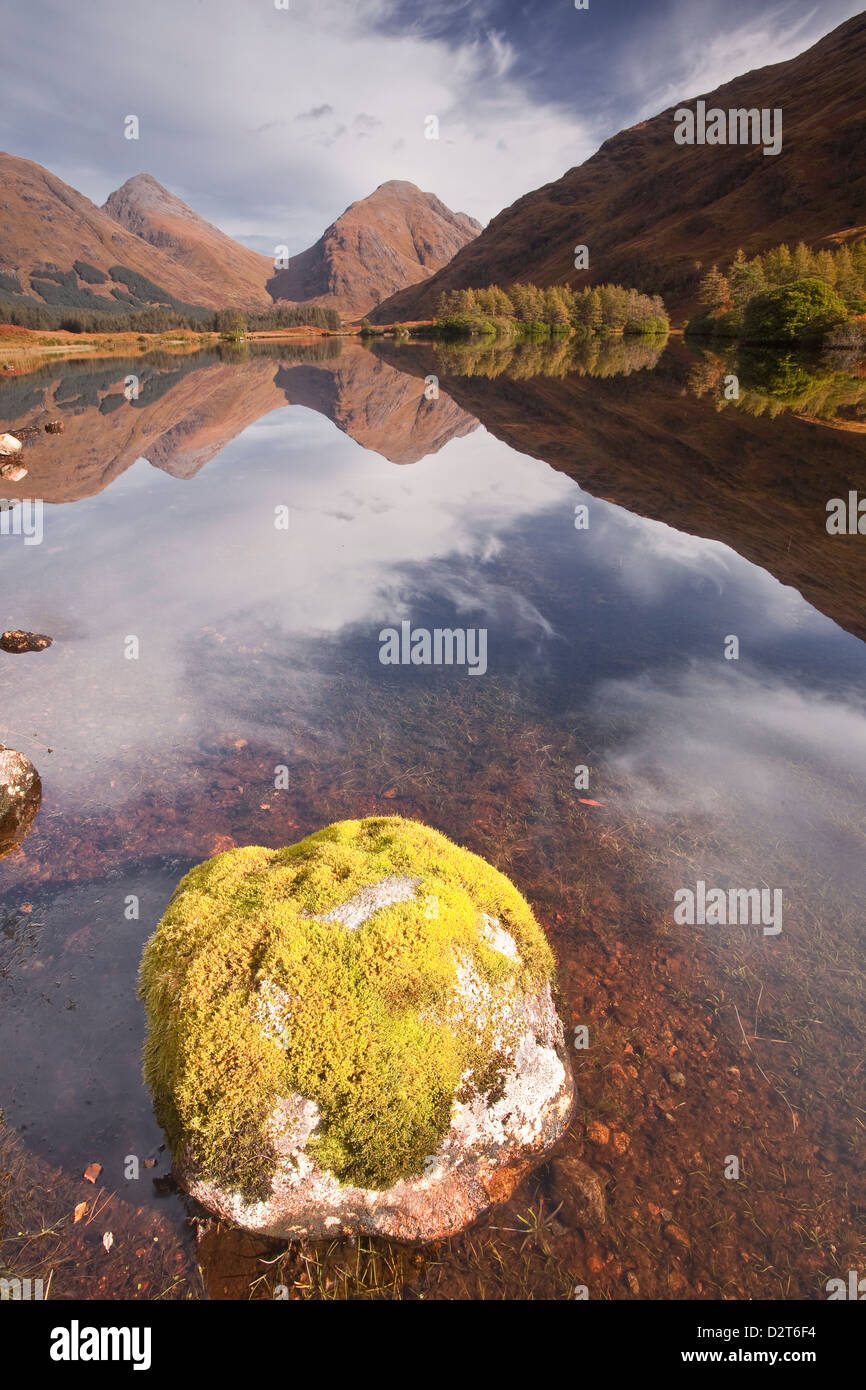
column 646, row 423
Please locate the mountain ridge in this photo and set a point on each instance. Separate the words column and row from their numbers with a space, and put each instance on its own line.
column 655, row 214
column 395, row 234
column 46, row 224
column 54, row 235
column 148, row 210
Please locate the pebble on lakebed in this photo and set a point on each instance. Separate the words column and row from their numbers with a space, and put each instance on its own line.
column 355, row 1034
column 20, row 798
column 16, row 641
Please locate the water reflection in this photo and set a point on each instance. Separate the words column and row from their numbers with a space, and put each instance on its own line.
column 588, row 355
column 828, row 387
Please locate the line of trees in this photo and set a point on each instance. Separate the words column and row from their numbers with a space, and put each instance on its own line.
column 158, row 319
column 63, row 299
column 844, row 270
column 616, row 308
column 786, row 295
column 556, row 310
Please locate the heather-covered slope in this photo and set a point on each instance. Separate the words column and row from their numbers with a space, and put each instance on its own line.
column 395, row 237
column 148, row 210
column 45, row 225
column 653, row 212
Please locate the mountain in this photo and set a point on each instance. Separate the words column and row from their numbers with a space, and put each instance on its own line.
column 160, row 218
column 656, row 214
column 58, row 248
column 393, row 238
column 46, row 226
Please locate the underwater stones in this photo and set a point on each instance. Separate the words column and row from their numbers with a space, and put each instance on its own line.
column 20, row 798
column 354, row 1034
column 577, row 1193
column 16, row 641
column 9, row 445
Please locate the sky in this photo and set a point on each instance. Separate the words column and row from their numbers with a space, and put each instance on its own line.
column 271, row 121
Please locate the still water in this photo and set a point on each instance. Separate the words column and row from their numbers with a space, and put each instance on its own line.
column 219, row 557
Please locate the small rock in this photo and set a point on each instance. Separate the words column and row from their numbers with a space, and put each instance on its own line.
column 17, row 641
column 578, row 1191
column 92, row 1171
column 677, row 1235
column 677, row 1079
column 13, row 472
column 55, row 427
column 20, row 798
column 9, row 445
column 597, row 1133
column 665, row 1214
column 633, row 1285
column 620, row 1142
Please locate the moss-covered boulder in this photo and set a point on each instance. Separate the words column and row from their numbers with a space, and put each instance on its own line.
column 353, row 1034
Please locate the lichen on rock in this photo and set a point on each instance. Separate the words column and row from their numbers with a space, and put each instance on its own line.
column 353, row 1033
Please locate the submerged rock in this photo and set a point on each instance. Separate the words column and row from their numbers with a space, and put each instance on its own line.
column 17, row 641
column 577, row 1192
column 20, row 798
column 354, row 1034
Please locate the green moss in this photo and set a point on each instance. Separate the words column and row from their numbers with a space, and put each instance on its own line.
column 373, row 1036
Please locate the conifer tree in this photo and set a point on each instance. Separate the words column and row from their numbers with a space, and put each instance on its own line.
column 714, row 290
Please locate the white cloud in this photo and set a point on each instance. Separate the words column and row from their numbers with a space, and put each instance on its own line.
column 693, row 53
column 738, row 749
column 219, row 89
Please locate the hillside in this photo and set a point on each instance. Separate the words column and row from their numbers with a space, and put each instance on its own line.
column 46, row 226
column 149, row 211
column 654, row 213
column 393, row 238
